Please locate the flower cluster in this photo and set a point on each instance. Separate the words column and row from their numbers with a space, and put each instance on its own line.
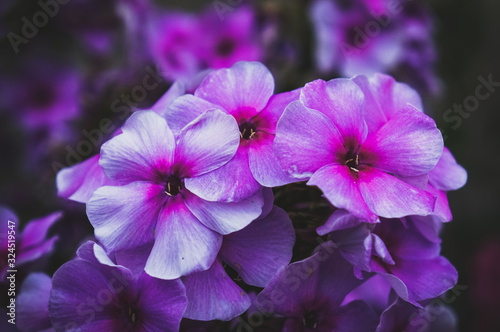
column 186, row 228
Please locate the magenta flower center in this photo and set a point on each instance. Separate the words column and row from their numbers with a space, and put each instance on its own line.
column 352, row 160
column 173, row 185
column 132, row 316
column 247, row 130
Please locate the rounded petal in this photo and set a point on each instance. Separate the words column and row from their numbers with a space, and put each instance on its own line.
column 390, row 197
column 185, row 109
column 264, row 164
column 212, row 294
column 268, row 118
column 305, row 141
column 409, row 144
column 144, row 149
column 161, row 303
column 78, row 182
column 33, row 303
column 258, row 251
column 342, row 101
column 232, row 182
column 244, row 85
column 207, row 143
column 182, row 244
column 448, row 174
column 340, row 186
column 125, row 217
column 225, row 218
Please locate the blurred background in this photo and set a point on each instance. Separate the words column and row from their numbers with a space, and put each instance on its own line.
column 71, row 71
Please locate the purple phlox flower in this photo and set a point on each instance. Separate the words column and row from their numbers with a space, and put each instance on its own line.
column 403, row 316
column 328, row 137
column 384, row 98
column 91, row 293
column 364, row 37
column 78, row 182
column 245, row 91
column 33, row 304
column 309, row 294
column 406, row 252
column 44, row 97
column 156, row 201
column 255, row 253
column 184, row 44
column 30, row 243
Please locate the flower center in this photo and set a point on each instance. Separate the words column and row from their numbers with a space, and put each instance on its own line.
column 352, row 161
column 310, row 320
column 247, row 130
column 225, row 47
column 173, row 185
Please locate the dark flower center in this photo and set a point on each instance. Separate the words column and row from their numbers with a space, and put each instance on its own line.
column 247, row 130
column 310, row 320
column 42, row 96
column 173, row 185
column 352, row 161
column 225, row 47
column 132, row 315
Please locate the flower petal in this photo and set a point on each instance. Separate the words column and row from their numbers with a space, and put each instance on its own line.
column 390, row 197
column 347, row 317
column 268, row 118
column 341, row 188
column 207, row 143
column 244, row 85
column 33, row 303
column 185, row 109
column 264, row 164
column 125, row 217
column 305, row 141
column 232, row 182
column 144, row 149
column 78, row 182
column 161, row 303
column 409, row 144
column 260, row 249
column 182, row 244
column 212, row 294
column 448, row 174
column 225, row 218
column 342, row 101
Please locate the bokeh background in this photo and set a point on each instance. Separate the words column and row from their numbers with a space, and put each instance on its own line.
column 88, row 42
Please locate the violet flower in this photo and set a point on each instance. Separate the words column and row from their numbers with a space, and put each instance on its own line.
column 155, row 200
column 309, row 294
column 245, row 91
column 255, row 253
column 364, row 37
column 91, row 293
column 30, row 243
column 78, row 182
column 184, row 44
column 327, row 137
column 406, row 252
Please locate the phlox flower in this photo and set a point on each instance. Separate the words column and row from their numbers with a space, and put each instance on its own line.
column 91, row 293
column 245, row 91
column 328, row 137
column 155, row 200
